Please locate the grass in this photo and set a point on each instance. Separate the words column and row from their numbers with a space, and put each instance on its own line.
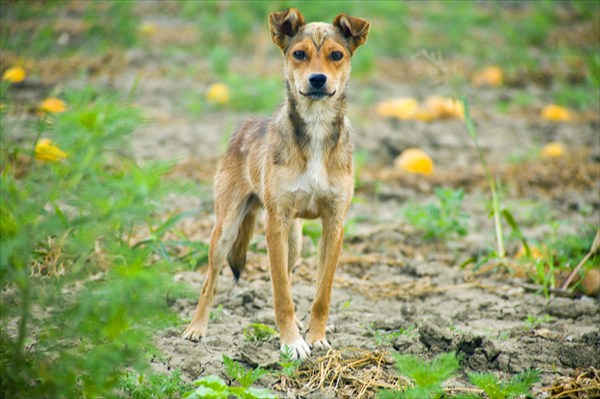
column 441, row 220
column 259, row 332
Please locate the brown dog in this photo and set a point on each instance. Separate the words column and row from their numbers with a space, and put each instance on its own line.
column 298, row 164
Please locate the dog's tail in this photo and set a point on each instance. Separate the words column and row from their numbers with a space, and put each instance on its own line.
column 237, row 255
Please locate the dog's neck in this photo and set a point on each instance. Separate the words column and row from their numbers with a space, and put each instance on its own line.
column 316, row 124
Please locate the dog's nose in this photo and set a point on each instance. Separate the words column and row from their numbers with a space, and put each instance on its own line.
column 317, row 80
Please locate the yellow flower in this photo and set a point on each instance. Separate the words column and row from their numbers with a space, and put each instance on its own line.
column 53, row 105
column 46, row 150
column 536, row 253
column 14, row 74
column 553, row 112
column 218, row 93
column 414, row 160
column 491, row 76
column 403, row 108
column 553, row 150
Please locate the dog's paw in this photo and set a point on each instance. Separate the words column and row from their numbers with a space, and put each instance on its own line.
column 194, row 332
column 298, row 349
column 320, row 344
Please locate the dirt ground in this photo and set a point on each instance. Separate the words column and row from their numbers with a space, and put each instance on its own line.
column 390, row 278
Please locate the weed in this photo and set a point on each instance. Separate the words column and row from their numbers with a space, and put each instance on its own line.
column 440, row 220
column 427, row 376
column 72, row 221
column 259, row 332
column 519, row 385
column 216, row 314
column 215, row 388
column 535, row 321
column 140, row 386
column 386, row 338
column 288, row 364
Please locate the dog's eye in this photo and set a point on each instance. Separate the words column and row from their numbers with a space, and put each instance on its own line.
column 299, row 55
column 336, row 55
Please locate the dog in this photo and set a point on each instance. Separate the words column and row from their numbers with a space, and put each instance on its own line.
column 297, row 164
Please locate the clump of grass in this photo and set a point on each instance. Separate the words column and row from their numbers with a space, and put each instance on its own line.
column 383, row 338
column 440, row 220
column 259, row 332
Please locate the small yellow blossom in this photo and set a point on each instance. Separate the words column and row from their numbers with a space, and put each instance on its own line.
column 218, row 93
column 14, row 74
column 553, row 112
column 414, row 160
column 53, row 105
column 553, row 150
column 402, row 108
column 490, row 76
column 46, row 150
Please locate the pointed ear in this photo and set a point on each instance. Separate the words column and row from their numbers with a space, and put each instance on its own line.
column 354, row 29
column 284, row 25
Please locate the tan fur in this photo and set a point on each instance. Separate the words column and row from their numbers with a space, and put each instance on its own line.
column 298, row 164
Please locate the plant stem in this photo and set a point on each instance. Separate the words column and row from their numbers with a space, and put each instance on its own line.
column 495, row 199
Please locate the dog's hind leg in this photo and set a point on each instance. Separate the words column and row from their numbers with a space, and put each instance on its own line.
column 294, row 249
column 222, row 240
column 237, row 254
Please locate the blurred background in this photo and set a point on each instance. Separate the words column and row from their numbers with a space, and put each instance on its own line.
column 104, row 103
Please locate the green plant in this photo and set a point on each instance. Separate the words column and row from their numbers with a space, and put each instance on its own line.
column 517, row 386
column 140, row 386
column 259, row 332
column 212, row 387
column 534, row 321
column 427, row 376
column 65, row 247
column 440, row 220
column 288, row 364
column 383, row 337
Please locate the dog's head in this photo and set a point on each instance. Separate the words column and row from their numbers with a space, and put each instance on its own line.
column 317, row 55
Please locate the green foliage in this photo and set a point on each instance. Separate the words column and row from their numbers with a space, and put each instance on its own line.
column 440, row 220
column 535, row 321
column 254, row 94
column 66, row 248
column 428, row 376
column 383, row 338
column 518, row 385
column 259, row 332
column 140, row 386
column 288, row 364
column 212, row 387
column 237, row 372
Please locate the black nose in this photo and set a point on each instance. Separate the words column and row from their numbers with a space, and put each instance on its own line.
column 317, row 80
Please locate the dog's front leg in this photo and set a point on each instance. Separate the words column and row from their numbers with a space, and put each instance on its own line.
column 277, row 230
column 329, row 252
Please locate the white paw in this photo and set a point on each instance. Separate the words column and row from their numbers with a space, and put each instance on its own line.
column 194, row 333
column 321, row 344
column 299, row 349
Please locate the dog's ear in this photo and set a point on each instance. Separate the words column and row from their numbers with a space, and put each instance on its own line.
column 354, row 29
column 284, row 25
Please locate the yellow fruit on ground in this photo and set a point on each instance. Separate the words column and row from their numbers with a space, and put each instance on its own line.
column 590, row 285
column 14, row 74
column 218, row 93
column 147, row 28
column 536, row 253
column 53, row 105
column 414, row 160
column 553, row 150
column 46, row 150
column 444, row 107
column 402, row 108
column 553, row 112
column 491, row 76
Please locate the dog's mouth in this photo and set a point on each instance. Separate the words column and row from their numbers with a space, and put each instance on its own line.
column 317, row 95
